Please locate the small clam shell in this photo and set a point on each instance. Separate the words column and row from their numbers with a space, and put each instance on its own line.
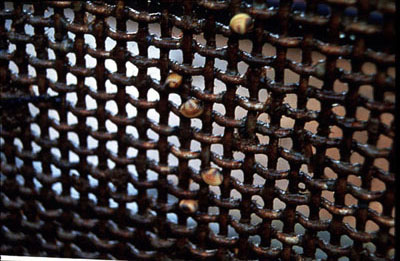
column 212, row 177
column 191, row 108
column 173, row 80
column 241, row 23
column 320, row 69
column 188, row 205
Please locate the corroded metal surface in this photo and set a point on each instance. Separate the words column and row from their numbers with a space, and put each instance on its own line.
column 177, row 215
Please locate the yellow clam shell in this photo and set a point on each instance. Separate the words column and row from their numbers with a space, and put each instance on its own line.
column 173, row 80
column 212, row 177
column 188, row 205
column 241, row 23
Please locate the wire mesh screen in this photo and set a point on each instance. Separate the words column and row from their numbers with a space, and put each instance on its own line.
column 189, row 130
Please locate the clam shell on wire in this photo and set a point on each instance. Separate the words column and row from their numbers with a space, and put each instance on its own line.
column 188, row 205
column 173, row 80
column 241, row 23
column 191, row 108
column 212, row 177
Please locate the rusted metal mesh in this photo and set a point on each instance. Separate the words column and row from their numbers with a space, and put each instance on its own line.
column 289, row 190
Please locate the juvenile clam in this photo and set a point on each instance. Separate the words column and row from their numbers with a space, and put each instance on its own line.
column 241, row 23
column 173, row 80
column 320, row 69
column 191, row 108
column 212, row 177
column 188, row 205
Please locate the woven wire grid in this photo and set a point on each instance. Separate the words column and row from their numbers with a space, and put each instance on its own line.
column 99, row 171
